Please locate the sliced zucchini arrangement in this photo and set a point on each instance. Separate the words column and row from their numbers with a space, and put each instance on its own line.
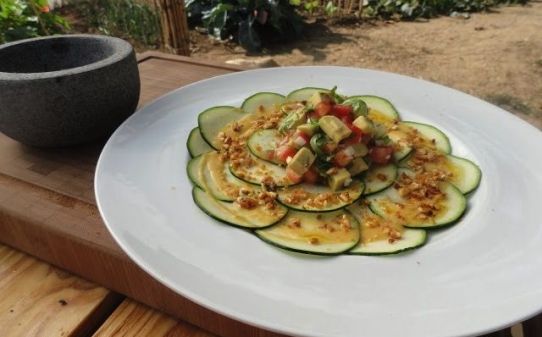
column 317, row 172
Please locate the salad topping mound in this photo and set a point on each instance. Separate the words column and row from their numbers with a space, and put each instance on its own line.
column 323, row 173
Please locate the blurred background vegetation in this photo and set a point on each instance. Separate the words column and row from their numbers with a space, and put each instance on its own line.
column 250, row 23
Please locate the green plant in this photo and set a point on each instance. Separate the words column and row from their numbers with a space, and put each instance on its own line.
column 124, row 18
column 412, row 9
column 251, row 23
column 21, row 19
column 403, row 9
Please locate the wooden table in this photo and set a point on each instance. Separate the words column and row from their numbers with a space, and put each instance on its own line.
column 47, row 209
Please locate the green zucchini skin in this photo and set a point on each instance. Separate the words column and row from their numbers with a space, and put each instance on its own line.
column 280, row 176
column 202, row 140
column 442, row 142
column 203, row 200
column 412, row 238
column 304, row 94
column 263, row 234
column 195, row 143
column 380, row 104
column 419, row 241
column 473, row 177
column 459, row 207
column 372, row 187
column 212, row 120
column 192, row 170
column 473, row 173
column 210, row 182
column 257, row 138
column 263, row 99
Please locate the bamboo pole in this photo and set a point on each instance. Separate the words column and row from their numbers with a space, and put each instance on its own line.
column 175, row 37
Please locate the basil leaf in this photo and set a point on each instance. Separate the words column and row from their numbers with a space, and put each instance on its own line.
column 358, row 105
column 336, row 97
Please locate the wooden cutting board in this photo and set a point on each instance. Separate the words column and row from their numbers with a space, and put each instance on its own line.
column 47, row 207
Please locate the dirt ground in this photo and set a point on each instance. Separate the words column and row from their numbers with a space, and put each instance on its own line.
column 496, row 56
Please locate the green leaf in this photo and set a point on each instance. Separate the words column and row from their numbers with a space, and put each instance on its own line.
column 248, row 37
column 336, row 97
column 330, row 8
column 358, row 105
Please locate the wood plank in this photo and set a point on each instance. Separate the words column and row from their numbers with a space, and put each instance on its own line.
column 501, row 333
column 137, row 320
column 58, row 221
column 39, row 300
column 70, row 171
column 533, row 327
column 47, row 208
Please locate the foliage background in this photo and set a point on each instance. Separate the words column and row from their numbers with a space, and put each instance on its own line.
column 21, row 19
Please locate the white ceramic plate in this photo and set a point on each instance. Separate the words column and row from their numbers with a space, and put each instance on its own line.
column 482, row 274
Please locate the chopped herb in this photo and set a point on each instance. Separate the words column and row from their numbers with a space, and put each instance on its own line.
column 358, row 105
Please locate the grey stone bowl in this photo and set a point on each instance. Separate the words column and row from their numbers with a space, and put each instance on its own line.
column 66, row 90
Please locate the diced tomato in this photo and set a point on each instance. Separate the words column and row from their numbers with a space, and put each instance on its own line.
column 366, row 138
column 303, row 135
column 322, row 109
column 347, row 119
column 341, row 110
column 342, row 159
column 355, row 137
column 328, row 148
column 313, row 116
column 284, row 151
column 270, row 154
column 293, row 176
column 381, row 154
column 311, row 176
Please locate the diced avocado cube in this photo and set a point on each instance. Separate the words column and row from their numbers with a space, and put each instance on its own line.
column 293, row 119
column 357, row 166
column 302, row 160
column 319, row 97
column 308, row 129
column 364, row 124
column 360, row 149
column 380, row 130
column 339, row 179
column 334, row 128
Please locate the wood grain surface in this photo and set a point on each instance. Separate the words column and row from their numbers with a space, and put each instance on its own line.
column 47, row 208
column 132, row 319
column 39, row 300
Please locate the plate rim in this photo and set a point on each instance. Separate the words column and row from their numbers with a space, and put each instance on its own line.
column 210, row 305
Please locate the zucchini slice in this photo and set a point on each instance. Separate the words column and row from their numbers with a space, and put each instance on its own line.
column 218, row 180
column 465, row 175
column 390, row 205
column 193, row 169
column 196, row 144
column 379, row 177
column 374, row 240
column 379, row 105
column 400, row 143
column 261, row 169
column 213, row 120
column 262, row 101
column 317, row 198
column 304, row 94
column 329, row 233
column 232, row 214
column 469, row 175
column 441, row 141
column 263, row 143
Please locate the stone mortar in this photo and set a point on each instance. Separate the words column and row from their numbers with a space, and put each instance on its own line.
column 66, row 90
